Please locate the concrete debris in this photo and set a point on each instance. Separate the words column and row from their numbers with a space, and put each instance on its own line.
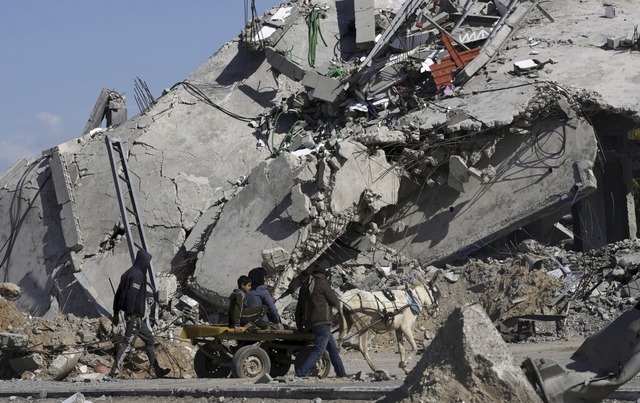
column 468, row 353
column 9, row 290
column 421, row 135
column 63, row 364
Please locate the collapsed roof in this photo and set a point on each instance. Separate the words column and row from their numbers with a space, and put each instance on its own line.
column 421, row 132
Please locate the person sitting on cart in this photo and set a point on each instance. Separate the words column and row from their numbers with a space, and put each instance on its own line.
column 241, row 315
column 260, row 295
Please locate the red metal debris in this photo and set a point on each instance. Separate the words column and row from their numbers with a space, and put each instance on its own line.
column 442, row 71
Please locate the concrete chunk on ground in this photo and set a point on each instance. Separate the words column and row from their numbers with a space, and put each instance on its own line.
column 466, row 361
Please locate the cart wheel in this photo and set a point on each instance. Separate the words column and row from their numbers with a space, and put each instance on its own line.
column 209, row 364
column 322, row 367
column 279, row 368
column 250, row 362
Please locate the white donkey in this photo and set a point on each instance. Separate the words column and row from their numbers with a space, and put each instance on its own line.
column 382, row 311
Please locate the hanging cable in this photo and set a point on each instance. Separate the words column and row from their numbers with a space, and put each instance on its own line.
column 313, row 21
column 197, row 92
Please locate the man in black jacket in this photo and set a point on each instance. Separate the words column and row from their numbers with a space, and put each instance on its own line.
column 313, row 312
column 130, row 299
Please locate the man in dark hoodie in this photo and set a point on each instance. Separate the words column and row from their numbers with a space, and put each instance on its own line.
column 313, row 312
column 260, row 295
column 130, row 299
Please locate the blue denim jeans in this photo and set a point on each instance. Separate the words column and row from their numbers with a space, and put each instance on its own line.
column 323, row 340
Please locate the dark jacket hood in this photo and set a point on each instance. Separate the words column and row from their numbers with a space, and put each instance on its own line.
column 143, row 258
column 257, row 276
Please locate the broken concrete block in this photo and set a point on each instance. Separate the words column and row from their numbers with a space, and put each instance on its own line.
column 9, row 290
column 198, row 236
column 613, row 43
column 628, row 260
column 167, row 286
column 302, row 141
column 323, row 88
column 284, row 65
column 483, row 364
column 63, row 364
column 458, row 172
column 362, row 171
column 275, row 259
column 631, row 289
column 308, row 174
column 365, row 23
column 254, row 220
column 324, row 175
column 524, row 66
column 29, row 363
column 609, row 11
column 188, row 304
column 13, row 341
column 300, row 210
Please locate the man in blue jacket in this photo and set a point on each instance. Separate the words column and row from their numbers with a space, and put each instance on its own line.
column 130, row 299
column 260, row 295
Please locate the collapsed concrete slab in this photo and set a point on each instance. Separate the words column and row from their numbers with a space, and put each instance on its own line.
column 256, row 219
column 558, row 154
column 293, row 215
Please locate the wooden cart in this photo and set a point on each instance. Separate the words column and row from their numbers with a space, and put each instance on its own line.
column 250, row 354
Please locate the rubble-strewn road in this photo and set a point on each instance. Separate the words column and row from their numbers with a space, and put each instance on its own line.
column 230, row 390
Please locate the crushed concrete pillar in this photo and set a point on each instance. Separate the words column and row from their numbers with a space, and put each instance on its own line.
column 64, row 195
column 98, row 111
column 116, row 111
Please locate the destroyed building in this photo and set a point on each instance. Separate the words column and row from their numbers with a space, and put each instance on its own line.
column 367, row 134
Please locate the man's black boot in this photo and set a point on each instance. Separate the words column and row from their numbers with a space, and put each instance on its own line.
column 159, row 371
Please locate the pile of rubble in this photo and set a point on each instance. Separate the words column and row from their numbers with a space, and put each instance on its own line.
column 388, row 142
column 564, row 294
column 66, row 346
